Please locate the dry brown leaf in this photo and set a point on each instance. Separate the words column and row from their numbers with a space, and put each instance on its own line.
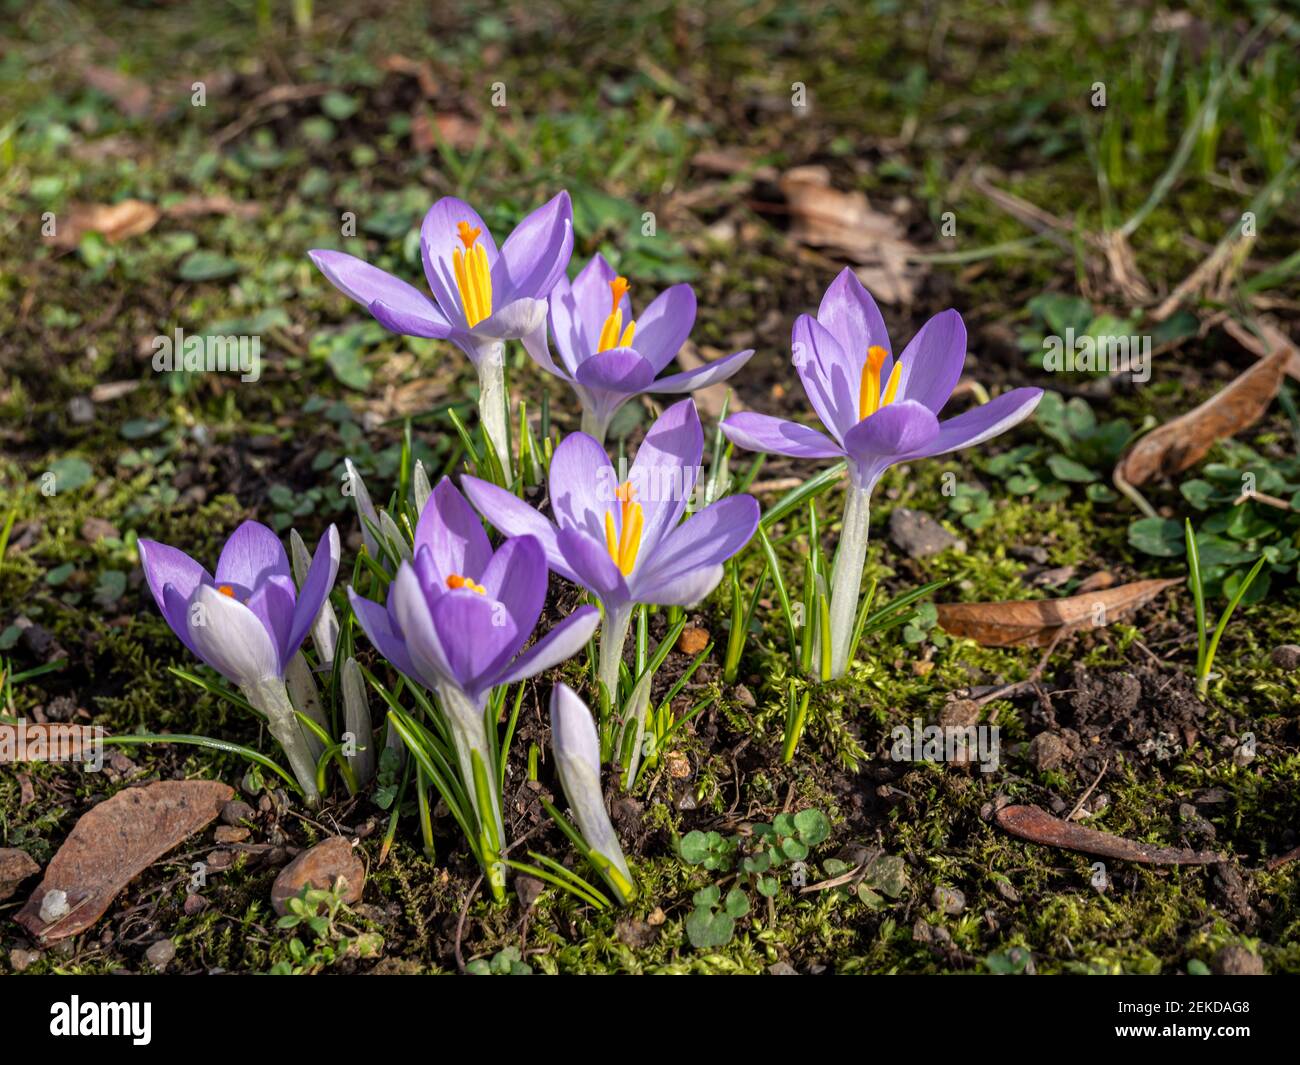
column 1274, row 339
column 1036, row 622
column 115, row 221
column 416, row 68
column 844, row 222
column 113, row 843
column 193, row 206
column 1183, row 442
column 1038, row 826
column 460, row 133
column 132, row 96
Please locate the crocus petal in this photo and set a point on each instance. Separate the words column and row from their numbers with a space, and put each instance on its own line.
column 438, row 238
column 588, row 560
column 984, row 422
column 662, row 328
column 702, row 376
column 513, row 320
column 582, row 484
column 516, row 578
column 537, row 253
column 850, row 314
column 475, row 634
column 539, row 350
column 408, row 607
column 831, row 376
column 933, row 360
column 560, row 644
column 510, row 515
column 230, row 638
column 252, row 554
column 378, row 627
column 430, row 323
column 273, row 603
column 166, row 566
column 577, row 760
column 703, row 541
column 664, row 472
column 622, row 371
column 401, row 307
column 686, row 589
column 578, row 310
column 762, row 432
column 452, row 532
column 315, row 587
column 901, row 430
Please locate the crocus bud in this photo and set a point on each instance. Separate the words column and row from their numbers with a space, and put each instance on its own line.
column 356, row 720
column 577, row 759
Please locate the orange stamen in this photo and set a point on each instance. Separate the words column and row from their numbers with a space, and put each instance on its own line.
column 456, row 581
column 869, row 390
column 225, row 589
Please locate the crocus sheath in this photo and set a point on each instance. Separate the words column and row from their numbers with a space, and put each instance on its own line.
column 877, row 411
column 482, row 296
column 249, row 620
column 607, row 356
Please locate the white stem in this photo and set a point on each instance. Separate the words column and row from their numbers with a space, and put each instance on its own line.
column 270, row 696
column 469, row 732
column 494, row 404
column 593, row 426
column 613, row 635
column 846, row 575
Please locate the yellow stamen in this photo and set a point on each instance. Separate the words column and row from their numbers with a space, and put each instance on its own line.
column 869, row 390
column 612, row 333
column 456, row 581
column 623, row 549
column 225, row 589
column 473, row 277
column 891, row 389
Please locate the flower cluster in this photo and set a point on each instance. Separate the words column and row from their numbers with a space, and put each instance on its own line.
column 456, row 617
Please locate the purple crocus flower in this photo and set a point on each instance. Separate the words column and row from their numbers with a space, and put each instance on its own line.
column 459, row 614
column 248, row 621
column 625, row 542
column 483, row 296
column 878, row 410
column 608, row 357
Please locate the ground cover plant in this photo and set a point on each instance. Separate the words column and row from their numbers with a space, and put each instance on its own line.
column 788, row 494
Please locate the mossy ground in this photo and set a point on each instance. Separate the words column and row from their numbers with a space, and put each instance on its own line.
column 614, row 106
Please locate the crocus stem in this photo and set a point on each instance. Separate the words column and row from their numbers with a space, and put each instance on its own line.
column 270, row 696
column 613, row 634
column 846, row 576
column 469, row 733
column 593, row 426
column 493, row 405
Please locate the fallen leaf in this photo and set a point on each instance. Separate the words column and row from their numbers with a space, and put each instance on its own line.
column 1036, row 622
column 192, row 206
column 1183, row 442
column 417, row 68
column 1274, row 338
column 15, row 867
column 1038, row 826
column 132, row 96
column 116, row 841
column 844, row 222
column 48, row 742
column 114, row 221
column 460, row 133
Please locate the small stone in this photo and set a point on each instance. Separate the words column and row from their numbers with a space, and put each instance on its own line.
column 947, row 900
column 636, row 934
column 656, row 918
column 16, row 865
column 61, row 708
column 744, row 696
column 1287, row 656
column 219, row 860
column 235, row 812
column 36, row 639
column 693, row 640
column 1236, row 960
column 679, row 766
column 1004, row 888
column 959, row 713
column 1047, row 751
column 528, row 888
column 54, row 905
column 161, row 954
column 22, row 960
column 194, row 905
column 919, row 534
column 320, row 867
column 782, row 968
column 231, row 834
column 95, row 529
column 81, row 410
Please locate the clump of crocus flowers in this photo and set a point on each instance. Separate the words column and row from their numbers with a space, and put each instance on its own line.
column 455, row 616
